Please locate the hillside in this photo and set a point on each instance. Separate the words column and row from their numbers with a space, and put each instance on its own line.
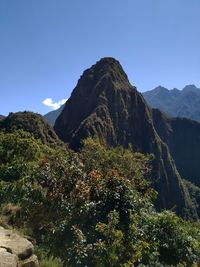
column 183, row 139
column 97, row 201
column 30, row 122
column 104, row 104
column 176, row 103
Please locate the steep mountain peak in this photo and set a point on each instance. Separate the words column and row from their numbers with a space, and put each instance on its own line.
column 108, row 65
column 105, row 105
column 107, row 71
column 100, row 90
column 107, row 61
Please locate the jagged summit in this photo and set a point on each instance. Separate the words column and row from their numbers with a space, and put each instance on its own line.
column 99, row 91
column 107, row 70
column 108, row 65
column 109, row 61
column 106, row 74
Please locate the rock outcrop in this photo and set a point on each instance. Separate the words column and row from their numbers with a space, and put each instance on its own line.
column 16, row 251
column 104, row 104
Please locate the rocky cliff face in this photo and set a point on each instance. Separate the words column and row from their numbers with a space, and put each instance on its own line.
column 16, row 251
column 183, row 139
column 106, row 105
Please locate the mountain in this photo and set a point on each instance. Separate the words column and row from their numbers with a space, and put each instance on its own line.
column 183, row 139
column 30, row 122
column 104, row 104
column 176, row 103
column 53, row 115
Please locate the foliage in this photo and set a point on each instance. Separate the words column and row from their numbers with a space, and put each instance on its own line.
column 194, row 192
column 45, row 260
column 18, row 152
column 92, row 208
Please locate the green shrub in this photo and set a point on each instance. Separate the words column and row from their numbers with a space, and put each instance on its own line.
column 92, row 208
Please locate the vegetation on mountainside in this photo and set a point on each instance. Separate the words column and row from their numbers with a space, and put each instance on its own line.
column 92, row 208
column 178, row 131
column 194, row 192
column 33, row 123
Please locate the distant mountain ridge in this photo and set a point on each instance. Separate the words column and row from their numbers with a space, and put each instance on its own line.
column 53, row 115
column 176, row 103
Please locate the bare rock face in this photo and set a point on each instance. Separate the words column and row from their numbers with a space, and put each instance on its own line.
column 16, row 251
column 7, row 259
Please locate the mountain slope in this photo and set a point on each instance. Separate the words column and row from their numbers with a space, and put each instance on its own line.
column 30, row 122
column 176, row 103
column 183, row 139
column 53, row 115
column 106, row 105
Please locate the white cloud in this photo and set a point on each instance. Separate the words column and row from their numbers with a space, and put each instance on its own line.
column 54, row 105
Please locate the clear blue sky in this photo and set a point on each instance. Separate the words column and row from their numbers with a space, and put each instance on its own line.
column 46, row 44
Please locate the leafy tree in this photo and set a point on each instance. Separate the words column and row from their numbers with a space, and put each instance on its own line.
column 94, row 207
column 18, row 152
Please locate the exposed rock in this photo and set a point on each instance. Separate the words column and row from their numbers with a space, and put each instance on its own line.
column 7, row 259
column 104, row 104
column 16, row 251
column 30, row 262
